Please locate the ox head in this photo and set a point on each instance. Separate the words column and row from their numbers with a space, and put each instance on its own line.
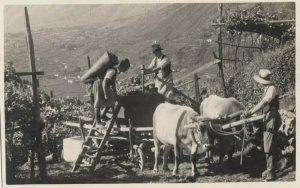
column 201, row 130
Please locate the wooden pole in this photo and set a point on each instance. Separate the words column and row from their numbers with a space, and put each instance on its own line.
column 143, row 77
column 197, row 89
column 36, row 106
column 51, row 93
column 89, row 61
column 130, row 138
column 220, row 64
column 243, row 121
column 185, row 96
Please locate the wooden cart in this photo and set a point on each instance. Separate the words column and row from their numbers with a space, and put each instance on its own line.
column 128, row 132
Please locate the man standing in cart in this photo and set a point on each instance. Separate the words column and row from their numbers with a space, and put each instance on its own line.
column 161, row 66
column 272, row 121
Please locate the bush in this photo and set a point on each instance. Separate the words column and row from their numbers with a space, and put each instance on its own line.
column 281, row 62
column 19, row 120
column 254, row 20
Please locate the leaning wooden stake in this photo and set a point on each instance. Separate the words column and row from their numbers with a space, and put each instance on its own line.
column 220, row 64
column 143, row 77
column 36, row 107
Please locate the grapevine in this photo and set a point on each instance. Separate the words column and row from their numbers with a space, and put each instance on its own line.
column 256, row 20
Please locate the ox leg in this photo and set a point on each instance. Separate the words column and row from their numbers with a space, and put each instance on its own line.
column 230, row 153
column 221, row 157
column 167, row 149
column 176, row 153
column 193, row 159
column 157, row 145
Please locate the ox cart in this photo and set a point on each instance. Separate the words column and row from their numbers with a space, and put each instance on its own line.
column 128, row 132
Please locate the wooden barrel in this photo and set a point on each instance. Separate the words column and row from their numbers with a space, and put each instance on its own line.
column 106, row 61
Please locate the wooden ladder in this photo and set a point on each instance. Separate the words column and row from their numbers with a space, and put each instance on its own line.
column 94, row 144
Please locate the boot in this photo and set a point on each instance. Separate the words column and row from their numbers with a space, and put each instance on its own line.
column 265, row 173
column 270, row 176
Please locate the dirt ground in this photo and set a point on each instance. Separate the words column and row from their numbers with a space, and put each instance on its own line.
column 109, row 171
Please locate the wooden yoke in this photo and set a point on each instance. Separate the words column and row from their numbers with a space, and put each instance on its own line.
column 243, row 121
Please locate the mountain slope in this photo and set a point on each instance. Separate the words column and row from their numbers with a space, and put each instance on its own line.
column 43, row 16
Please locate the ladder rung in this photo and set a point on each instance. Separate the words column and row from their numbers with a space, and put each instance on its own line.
column 117, row 138
column 100, row 131
column 87, row 155
column 91, row 149
column 85, row 165
column 95, row 137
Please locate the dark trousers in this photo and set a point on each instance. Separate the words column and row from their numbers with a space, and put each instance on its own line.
column 270, row 162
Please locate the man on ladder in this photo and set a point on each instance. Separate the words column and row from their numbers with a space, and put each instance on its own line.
column 104, row 90
column 102, row 76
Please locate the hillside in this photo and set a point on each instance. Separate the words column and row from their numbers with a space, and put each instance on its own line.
column 45, row 16
column 64, row 35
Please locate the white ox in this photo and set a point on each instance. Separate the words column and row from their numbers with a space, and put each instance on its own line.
column 180, row 127
column 215, row 107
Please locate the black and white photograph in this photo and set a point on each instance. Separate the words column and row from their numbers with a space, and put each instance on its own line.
column 133, row 92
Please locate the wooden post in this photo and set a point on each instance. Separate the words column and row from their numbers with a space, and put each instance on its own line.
column 89, row 61
column 10, row 169
column 197, row 90
column 130, row 139
column 220, row 64
column 143, row 77
column 36, row 107
column 51, row 93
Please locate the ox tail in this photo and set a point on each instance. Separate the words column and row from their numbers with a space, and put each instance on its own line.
column 180, row 123
column 154, row 125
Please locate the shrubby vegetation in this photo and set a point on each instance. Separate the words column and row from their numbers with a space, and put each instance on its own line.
column 282, row 64
column 19, row 122
column 255, row 20
column 239, row 83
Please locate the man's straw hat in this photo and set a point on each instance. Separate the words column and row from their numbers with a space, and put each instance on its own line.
column 263, row 76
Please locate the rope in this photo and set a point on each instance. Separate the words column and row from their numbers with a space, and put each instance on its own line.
column 243, row 144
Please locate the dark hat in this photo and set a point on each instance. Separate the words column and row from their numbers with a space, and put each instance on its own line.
column 124, row 64
column 156, row 47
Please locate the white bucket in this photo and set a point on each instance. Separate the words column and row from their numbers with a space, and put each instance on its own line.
column 71, row 148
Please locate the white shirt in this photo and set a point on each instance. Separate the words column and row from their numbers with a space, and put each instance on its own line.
column 163, row 85
column 159, row 63
column 270, row 92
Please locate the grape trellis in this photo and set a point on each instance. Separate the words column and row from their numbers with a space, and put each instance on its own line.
column 244, row 34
